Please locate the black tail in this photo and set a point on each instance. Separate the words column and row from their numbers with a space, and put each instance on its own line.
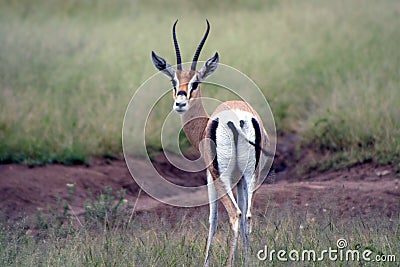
column 236, row 132
column 265, row 152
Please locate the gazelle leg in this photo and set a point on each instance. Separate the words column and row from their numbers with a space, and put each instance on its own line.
column 223, row 186
column 242, row 201
column 234, row 218
column 213, row 219
column 250, row 181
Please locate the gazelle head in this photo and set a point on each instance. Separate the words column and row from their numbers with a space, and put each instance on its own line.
column 186, row 83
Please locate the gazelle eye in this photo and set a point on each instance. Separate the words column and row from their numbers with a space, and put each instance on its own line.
column 194, row 85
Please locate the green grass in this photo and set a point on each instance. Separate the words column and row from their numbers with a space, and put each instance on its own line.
column 110, row 233
column 330, row 70
column 151, row 239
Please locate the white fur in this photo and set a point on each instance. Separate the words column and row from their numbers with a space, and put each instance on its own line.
column 213, row 218
column 176, row 81
column 194, row 79
column 229, row 157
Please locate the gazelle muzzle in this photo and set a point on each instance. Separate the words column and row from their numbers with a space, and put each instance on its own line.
column 181, row 103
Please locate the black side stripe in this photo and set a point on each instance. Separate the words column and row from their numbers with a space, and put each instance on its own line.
column 257, row 140
column 213, row 137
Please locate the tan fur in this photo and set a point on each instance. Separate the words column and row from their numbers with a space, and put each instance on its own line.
column 184, row 77
column 196, row 118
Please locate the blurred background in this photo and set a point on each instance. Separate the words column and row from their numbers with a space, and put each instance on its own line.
column 330, row 71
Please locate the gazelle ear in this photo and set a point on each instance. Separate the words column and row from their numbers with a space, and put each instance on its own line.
column 162, row 65
column 209, row 67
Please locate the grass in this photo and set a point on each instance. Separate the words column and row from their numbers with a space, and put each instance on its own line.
column 110, row 233
column 151, row 239
column 330, row 70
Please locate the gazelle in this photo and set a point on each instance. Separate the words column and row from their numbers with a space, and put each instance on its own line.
column 231, row 140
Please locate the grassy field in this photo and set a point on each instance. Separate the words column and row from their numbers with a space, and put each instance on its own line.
column 178, row 239
column 330, row 70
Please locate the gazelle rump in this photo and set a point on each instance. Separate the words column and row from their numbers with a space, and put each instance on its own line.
column 231, row 141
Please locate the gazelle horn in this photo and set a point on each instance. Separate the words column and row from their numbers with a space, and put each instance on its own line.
column 178, row 53
column 197, row 54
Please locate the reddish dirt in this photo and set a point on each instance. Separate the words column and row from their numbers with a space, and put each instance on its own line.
column 364, row 190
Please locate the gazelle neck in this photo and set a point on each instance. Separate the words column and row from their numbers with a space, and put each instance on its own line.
column 195, row 121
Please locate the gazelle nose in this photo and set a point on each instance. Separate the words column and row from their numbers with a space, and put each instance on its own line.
column 180, row 104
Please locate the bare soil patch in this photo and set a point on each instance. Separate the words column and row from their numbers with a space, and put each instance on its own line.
column 360, row 190
column 364, row 190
